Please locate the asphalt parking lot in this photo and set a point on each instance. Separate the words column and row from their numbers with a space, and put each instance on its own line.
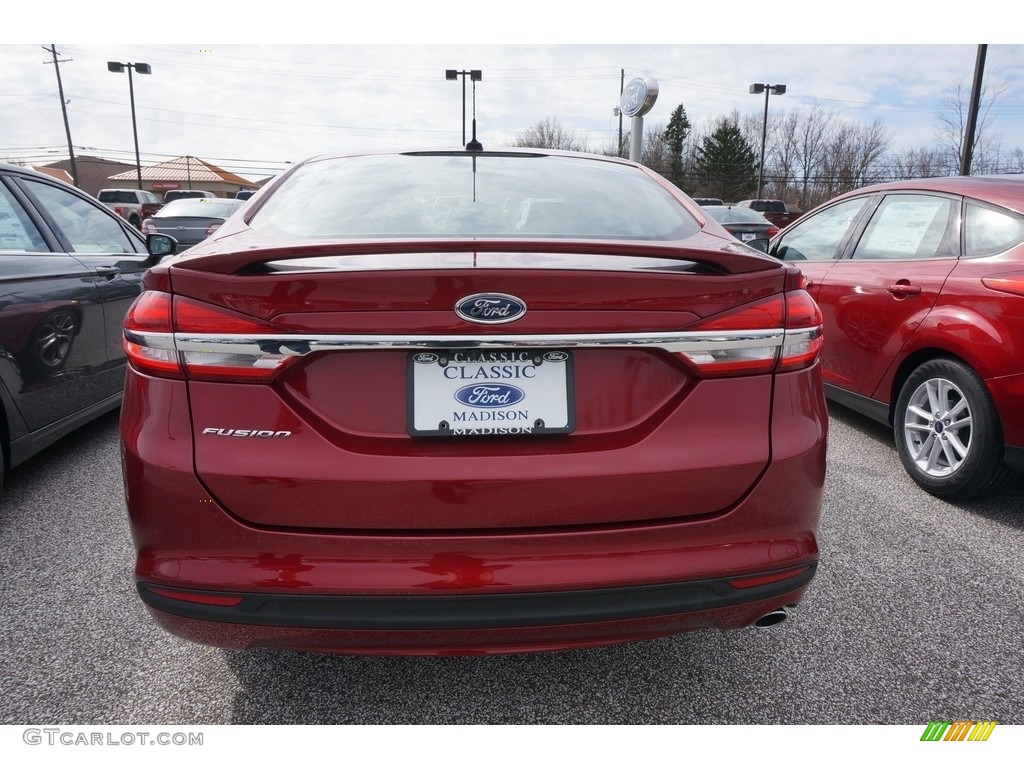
column 915, row 615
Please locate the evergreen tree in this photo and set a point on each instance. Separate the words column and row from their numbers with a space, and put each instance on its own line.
column 675, row 134
column 726, row 163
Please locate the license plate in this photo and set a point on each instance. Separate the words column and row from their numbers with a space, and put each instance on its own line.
column 747, row 236
column 468, row 392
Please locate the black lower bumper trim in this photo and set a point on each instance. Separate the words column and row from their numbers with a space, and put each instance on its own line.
column 484, row 611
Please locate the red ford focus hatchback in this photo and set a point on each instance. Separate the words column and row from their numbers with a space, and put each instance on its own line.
column 465, row 402
column 921, row 284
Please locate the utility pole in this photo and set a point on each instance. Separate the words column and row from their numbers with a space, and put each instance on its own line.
column 972, row 114
column 64, row 109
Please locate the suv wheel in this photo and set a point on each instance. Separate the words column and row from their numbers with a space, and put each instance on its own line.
column 948, row 433
column 135, row 221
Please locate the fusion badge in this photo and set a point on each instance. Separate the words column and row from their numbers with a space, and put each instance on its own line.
column 264, row 433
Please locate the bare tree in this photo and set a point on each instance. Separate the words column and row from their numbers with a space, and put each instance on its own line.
column 920, row 163
column 814, row 134
column 549, row 133
column 781, row 160
column 852, row 156
column 953, row 126
column 655, row 152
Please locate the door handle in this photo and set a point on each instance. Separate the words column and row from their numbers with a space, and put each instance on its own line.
column 904, row 289
column 108, row 271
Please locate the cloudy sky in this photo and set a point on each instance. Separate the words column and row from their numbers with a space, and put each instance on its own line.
column 253, row 106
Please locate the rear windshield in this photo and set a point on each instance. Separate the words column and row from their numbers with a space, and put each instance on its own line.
column 459, row 195
column 205, row 208
column 117, row 196
column 735, row 215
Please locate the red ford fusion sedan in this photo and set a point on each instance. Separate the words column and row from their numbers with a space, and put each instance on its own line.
column 921, row 284
column 471, row 402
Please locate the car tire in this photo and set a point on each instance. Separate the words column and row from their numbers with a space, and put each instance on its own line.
column 948, row 433
column 135, row 221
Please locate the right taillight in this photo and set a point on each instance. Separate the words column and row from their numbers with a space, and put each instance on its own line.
column 804, row 337
column 156, row 341
column 789, row 324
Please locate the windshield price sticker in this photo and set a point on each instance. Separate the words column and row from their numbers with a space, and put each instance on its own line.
column 472, row 392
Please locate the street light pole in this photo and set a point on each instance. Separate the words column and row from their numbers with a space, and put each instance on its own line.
column 454, row 74
column 767, row 89
column 142, row 69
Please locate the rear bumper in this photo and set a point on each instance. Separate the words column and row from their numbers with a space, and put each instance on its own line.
column 466, row 625
column 458, row 591
column 481, row 611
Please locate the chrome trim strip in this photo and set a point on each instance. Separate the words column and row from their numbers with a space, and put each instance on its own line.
column 151, row 340
column 298, row 345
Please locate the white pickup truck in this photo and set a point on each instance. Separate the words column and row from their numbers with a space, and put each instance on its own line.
column 134, row 205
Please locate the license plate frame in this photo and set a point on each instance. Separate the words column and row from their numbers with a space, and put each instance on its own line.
column 490, row 392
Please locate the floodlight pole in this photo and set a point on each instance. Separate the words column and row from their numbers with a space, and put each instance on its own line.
column 767, row 89
column 142, row 69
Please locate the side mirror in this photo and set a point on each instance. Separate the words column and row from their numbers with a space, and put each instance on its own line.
column 160, row 245
column 759, row 244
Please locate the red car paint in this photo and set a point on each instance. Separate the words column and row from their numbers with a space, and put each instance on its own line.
column 280, row 495
column 917, row 273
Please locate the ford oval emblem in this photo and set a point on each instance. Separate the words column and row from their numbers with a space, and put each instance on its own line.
column 489, row 395
column 490, row 308
column 425, row 357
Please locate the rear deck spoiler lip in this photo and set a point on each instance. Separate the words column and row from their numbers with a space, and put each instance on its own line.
column 240, row 252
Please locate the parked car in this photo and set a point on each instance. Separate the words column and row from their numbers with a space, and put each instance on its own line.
column 745, row 224
column 132, row 205
column 461, row 402
column 776, row 211
column 190, row 221
column 921, row 286
column 184, row 194
column 69, row 269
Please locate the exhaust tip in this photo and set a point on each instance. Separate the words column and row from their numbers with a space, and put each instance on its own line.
column 773, row 618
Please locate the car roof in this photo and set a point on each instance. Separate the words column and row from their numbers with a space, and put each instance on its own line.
column 497, row 151
column 12, row 168
column 1006, row 190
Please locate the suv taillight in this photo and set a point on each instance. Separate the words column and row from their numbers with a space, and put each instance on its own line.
column 1007, row 283
column 151, row 346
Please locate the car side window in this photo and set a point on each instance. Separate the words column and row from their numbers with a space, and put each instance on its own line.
column 818, row 237
column 988, row 231
column 17, row 232
column 910, row 227
column 88, row 228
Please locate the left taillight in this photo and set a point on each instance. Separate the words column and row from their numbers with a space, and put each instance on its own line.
column 175, row 337
column 149, row 336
